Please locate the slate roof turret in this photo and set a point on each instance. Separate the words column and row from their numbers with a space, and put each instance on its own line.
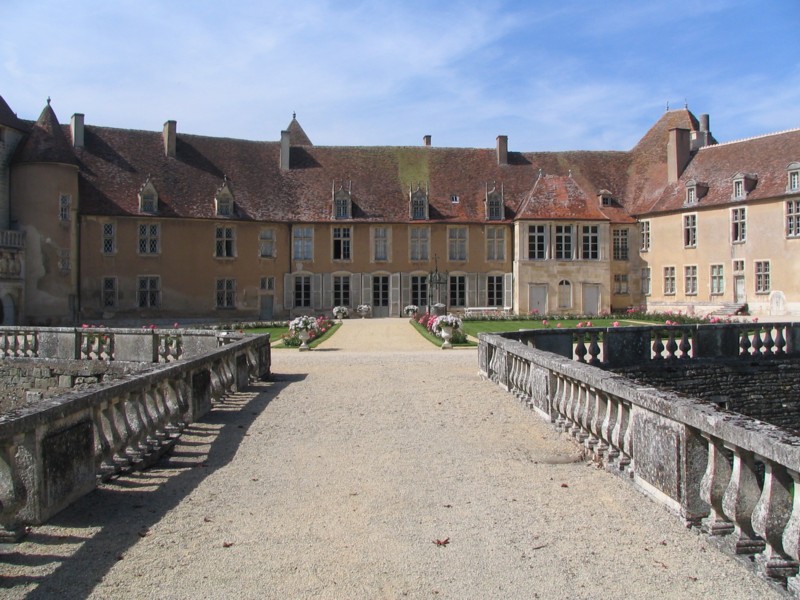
column 9, row 119
column 46, row 142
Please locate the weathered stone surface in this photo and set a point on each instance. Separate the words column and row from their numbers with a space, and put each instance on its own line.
column 68, row 469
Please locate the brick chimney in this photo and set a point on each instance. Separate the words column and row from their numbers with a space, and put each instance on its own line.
column 170, row 138
column 285, row 148
column 502, row 149
column 703, row 137
column 677, row 153
column 426, row 140
column 76, row 125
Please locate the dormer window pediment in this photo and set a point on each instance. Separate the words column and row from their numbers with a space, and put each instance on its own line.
column 418, row 199
column 695, row 191
column 148, row 197
column 342, row 200
column 743, row 184
column 793, row 177
column 223, row 200
column 605, row 198
column 495, row 208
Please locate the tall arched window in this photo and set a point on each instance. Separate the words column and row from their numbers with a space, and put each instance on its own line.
column 564, row 294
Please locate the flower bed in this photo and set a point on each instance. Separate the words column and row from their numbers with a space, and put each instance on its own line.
column 318, row 329
column 426, row 324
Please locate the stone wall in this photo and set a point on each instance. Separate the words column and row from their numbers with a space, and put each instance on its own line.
column 768, row 390
column 25, row 381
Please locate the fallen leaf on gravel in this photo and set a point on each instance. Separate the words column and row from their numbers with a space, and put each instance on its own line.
column 564, row 485
column 144, row 532
column 448, row 506
column 120, row 556
column 539, row 547
column 207, row 519
column 443, row 542
column 692, row 578
column 254, row 479
column 227, row 544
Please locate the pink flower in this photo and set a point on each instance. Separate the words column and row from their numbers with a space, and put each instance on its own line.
column 544, row 322
column 668, row 322
column 152, row 326
column 589, row 324
column 755, row 319
column 558, row 326
column 175, row 325
column 615, row 324
column 579, row 325
column 85, row 326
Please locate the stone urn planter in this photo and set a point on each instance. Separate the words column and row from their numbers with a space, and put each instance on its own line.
column 447, row 334
column 304, row 337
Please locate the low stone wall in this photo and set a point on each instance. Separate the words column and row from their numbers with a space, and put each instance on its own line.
column 768, row 390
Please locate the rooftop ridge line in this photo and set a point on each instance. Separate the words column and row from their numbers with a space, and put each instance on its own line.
column 747, row 139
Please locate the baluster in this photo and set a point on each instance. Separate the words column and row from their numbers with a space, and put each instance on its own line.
column 713, row 486
column 758, row 343
column 157, row 417
column 780, row 340
column 572, row 406
column 658, row 345
column 103, row 441
column 744, row 342
column 594, row 348
column 791, row 533
column 770, row 517
column 183, row 394
column 136, row 448
column 13, row 492
column 672, row 345
column 594, row 418
column 513, row 372
column 626, row 449
column 739, row 501
column 769, row 343
column 606, row 409
column 685, row 346
column 559, row 402
column 119, row 426
column 580, row 347
column 19, row 345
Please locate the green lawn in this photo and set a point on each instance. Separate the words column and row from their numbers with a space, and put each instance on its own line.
column 473, row 328
column 277, row 332
column 435, row 339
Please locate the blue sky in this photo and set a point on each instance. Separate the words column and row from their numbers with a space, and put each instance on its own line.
column 552, row 75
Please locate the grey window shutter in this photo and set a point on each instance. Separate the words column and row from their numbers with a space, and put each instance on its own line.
column 508, row 290
column 316, row 291
column 327, row 291
column 355, row 289
column 472, row 289
column 366, row 288
column 482, row 298
column 394, row 295
column 405, row 290
column 288, row 291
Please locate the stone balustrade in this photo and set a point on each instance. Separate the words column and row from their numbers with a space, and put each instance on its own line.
column 54, row 452
column 735, row 478
column 12, row 239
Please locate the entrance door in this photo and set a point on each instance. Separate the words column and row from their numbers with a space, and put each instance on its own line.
column 537, row 298
column 266, row 303
column 380, row 295
column 591, row 299
column 738, row 289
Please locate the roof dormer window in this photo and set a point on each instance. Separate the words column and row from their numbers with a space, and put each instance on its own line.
column 743, row 184
column 695, row 191
column 223, row 200
column 494, row 203
column 419, row 204
column 342, row 201
column 454, row 199
column 605, row 198
column 148, row 198
column 793, row 177
column 691, row 195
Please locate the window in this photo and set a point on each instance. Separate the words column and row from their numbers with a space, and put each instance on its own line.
column 303, row 243
column 644, row 231
column 494, row 290
column 620, row 244
column 341, row 290
column 302, row 291
column 341, row 208
column 64, row 260
column 64, row 205
column 620, row 283
column 148, row 202
column 669, row 281
column 738, row 188
column 564, row 294
column 793, row 183
column 591, row 243
column 149, row 238
column 224, row 206
column 738, row 266
column 738, row 225
column 717, row 280
column 457, row 243
column 268, row 284
column 419, row 243
column 226, row 293
column 793, row 218
column 454, row 199
column 266, row 243
column 563, row 250
column 494, row 208
column 419, row 205
column 495, row 243
column 381, row 243
column 109, row 245
column 149, row 295
column 537, row 242
column 690, row 280
column 225, row 247
column 646, row 286
column 419, row 290
column 109, row 293
column 689, row 231
column 691, row 195
column 341, row 243
column 762, row 277
column 458, row 290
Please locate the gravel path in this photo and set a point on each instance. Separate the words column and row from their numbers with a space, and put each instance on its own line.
column 337, row 479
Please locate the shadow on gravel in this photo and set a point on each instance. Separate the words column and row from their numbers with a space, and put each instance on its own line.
column 107, row 522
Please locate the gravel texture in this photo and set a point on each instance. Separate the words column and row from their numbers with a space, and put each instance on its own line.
column 375, row 466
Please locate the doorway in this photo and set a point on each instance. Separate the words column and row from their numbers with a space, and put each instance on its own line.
column 537, row 298
column 380, row 295
column 591, row 299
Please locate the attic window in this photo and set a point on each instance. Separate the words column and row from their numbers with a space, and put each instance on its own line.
column 605, row 197
column 738, row 188
column 148, row 198
column 419, row 204
column 454, row 199
column 224, row 206
column 793, row 177
column 743, row 184
column 494, row 203
column 691, row 195
column 342, row 202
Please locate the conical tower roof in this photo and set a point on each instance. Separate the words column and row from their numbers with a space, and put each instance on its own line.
column 46, row 142
column 297, row 137
column 8, row 118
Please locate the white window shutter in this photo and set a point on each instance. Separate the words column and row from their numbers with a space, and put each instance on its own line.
column 482, row 283
column 472, row 289
column 316, row 291
column 355, row 289
column 508, row 289
column 366, row 288
column 288, row 291
column 405, row 290
column 394, row 295
column 327, row 291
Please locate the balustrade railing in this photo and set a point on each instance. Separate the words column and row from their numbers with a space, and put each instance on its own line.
column 736, row 478
column 54, row 452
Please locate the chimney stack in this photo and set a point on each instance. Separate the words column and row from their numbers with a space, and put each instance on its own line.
column 76, row 125
column 702, row 137
column 677, row 153
column 502, row 149
column 285, row 150
column 426, row 140
column 170, row 138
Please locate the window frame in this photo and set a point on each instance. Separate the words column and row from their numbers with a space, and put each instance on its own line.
column 690, row 230
column 342, row 243
column 224, row 241
column 109, row 295
column 108, row 238
column 495, row 243
column 418, row 287
column 494, row 290
column 152, row 294
column 621, row 246
column 563, row 242
column 64, row 208
column 419, row 244
column 763, row 283
column 457, row 243
column 690, row 280
column 669, row 280
column 266, row 242
column 716, row 279
column 645, row 235
column 739, row 225
column 303, row 243
column 792, row 218
column 540, row 239
column 621, row 284
column 457, row 290
column 342, row 294
column 590, row 242
column 647, row 281
column 225, row 294
column 302, row 290
column 380, row 243
column 150, row 240
column 565, row 299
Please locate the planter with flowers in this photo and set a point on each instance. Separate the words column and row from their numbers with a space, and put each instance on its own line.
column 341, row 312
column 444, row 326
column 364, row 310
column 304, row 327
column 411, row 311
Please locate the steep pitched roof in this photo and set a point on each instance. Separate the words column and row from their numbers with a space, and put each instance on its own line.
column 560, row 197
column 765, row 156
column 297, row 137
column 8, row 118
column 46, row 142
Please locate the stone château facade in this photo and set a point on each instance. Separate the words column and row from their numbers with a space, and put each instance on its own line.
column 98, row 223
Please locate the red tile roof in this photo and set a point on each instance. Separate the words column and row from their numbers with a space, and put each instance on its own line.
column 46, row 142
column 9, row 119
